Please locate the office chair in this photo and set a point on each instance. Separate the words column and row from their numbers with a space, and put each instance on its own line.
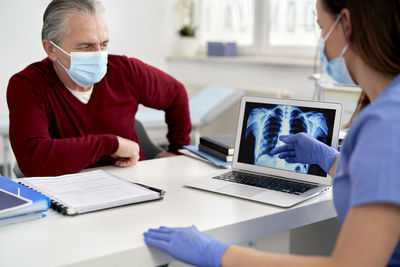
column 5, row 149
column 17, row 171
column 150, row 150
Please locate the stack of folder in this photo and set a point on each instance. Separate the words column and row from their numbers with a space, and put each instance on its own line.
column 217, row 149
column 20, row 203
column 220, row 146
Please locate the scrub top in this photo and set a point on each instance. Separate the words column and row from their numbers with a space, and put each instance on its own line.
column 368, row 169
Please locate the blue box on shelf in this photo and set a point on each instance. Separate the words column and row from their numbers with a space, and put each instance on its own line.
column 219, row 49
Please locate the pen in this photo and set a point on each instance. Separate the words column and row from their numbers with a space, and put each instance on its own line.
column 161, row 192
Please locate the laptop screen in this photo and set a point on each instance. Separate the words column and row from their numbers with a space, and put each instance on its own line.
column 264, row 123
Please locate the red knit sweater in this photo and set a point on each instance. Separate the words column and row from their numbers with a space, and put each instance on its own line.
column 53, row 133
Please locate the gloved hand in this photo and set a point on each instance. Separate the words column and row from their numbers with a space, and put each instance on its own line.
column 302, row 148
column 187, row 244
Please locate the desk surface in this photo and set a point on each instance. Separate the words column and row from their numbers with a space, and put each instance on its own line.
column 114, row 237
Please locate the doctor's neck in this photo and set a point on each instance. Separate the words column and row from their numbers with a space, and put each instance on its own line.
column 372, row 82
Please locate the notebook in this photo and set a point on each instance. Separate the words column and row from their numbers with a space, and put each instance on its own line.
column 84, row 192
column 256, row 175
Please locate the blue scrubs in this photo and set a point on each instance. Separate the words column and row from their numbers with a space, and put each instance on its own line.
column 368, row 169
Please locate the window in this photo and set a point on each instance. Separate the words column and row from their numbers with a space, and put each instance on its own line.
column 261, row 27
column 227, row 20
column 292, row 23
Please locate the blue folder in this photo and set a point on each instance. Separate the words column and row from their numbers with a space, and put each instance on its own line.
column 214, row 160
column 40, row 202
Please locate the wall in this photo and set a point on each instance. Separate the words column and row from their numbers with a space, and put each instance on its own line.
column 255, row 78
column 137, row 28
column 20, row 22
column 258, row 79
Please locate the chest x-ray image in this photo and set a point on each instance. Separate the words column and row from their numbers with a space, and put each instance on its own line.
column 264, row 124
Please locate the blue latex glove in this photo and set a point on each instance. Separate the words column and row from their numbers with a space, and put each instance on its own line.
column 302, row 148
column 187, row 244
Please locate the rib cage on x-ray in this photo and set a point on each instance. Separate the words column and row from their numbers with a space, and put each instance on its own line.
column 267, row 125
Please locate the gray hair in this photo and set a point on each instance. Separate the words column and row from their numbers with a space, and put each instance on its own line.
column 58, row 13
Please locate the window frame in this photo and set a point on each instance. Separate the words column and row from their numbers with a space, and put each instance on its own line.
column 261, row 47
column 268, row 50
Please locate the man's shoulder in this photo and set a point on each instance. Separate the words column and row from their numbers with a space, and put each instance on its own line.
column 127, row 66
column 34, row 79
column 122, row 60
column 43, row 67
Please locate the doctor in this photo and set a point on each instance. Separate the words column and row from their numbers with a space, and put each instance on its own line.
column 361, row 46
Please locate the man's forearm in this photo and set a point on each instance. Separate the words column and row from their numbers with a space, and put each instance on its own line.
column 48, row 157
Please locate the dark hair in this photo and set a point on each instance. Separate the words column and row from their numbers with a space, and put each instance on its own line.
column 375, row 35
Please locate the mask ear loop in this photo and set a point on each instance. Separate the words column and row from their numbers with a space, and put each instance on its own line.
column 62, row 50
column 345, row 50
column 333, row 27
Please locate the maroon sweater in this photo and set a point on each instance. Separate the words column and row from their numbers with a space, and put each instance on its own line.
column 53, row 133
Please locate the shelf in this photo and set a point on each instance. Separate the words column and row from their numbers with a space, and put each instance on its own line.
column 258, row 60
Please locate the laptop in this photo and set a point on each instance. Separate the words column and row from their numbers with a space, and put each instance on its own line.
column 256, row 174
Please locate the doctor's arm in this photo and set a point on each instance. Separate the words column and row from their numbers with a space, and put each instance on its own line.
column 303, row 148
column 368, row 238
column 332, row 170
column 363, row 241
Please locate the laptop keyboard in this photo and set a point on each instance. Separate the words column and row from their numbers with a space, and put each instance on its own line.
column 266, row 182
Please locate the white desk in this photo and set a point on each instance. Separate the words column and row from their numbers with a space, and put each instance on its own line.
column 114, row 237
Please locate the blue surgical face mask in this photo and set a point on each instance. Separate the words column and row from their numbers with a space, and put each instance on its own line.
column 86, row 68
column 336, row 68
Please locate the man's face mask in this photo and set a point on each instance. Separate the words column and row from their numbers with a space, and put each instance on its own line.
column 86, row 68
column 336, row 68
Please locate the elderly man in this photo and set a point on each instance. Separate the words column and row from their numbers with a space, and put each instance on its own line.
column 76, row 108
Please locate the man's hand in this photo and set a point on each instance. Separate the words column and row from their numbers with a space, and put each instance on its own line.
column 127, row 153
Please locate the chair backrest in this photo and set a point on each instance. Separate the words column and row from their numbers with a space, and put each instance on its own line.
column 17, row 171
column 150, row 149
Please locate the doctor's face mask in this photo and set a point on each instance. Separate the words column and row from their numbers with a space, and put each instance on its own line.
column 336, row 68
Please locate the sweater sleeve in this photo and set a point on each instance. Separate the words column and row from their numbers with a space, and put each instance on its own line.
column 161, row 91
column 39, row 154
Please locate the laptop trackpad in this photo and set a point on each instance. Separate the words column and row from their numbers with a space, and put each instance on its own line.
column 239, row 190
